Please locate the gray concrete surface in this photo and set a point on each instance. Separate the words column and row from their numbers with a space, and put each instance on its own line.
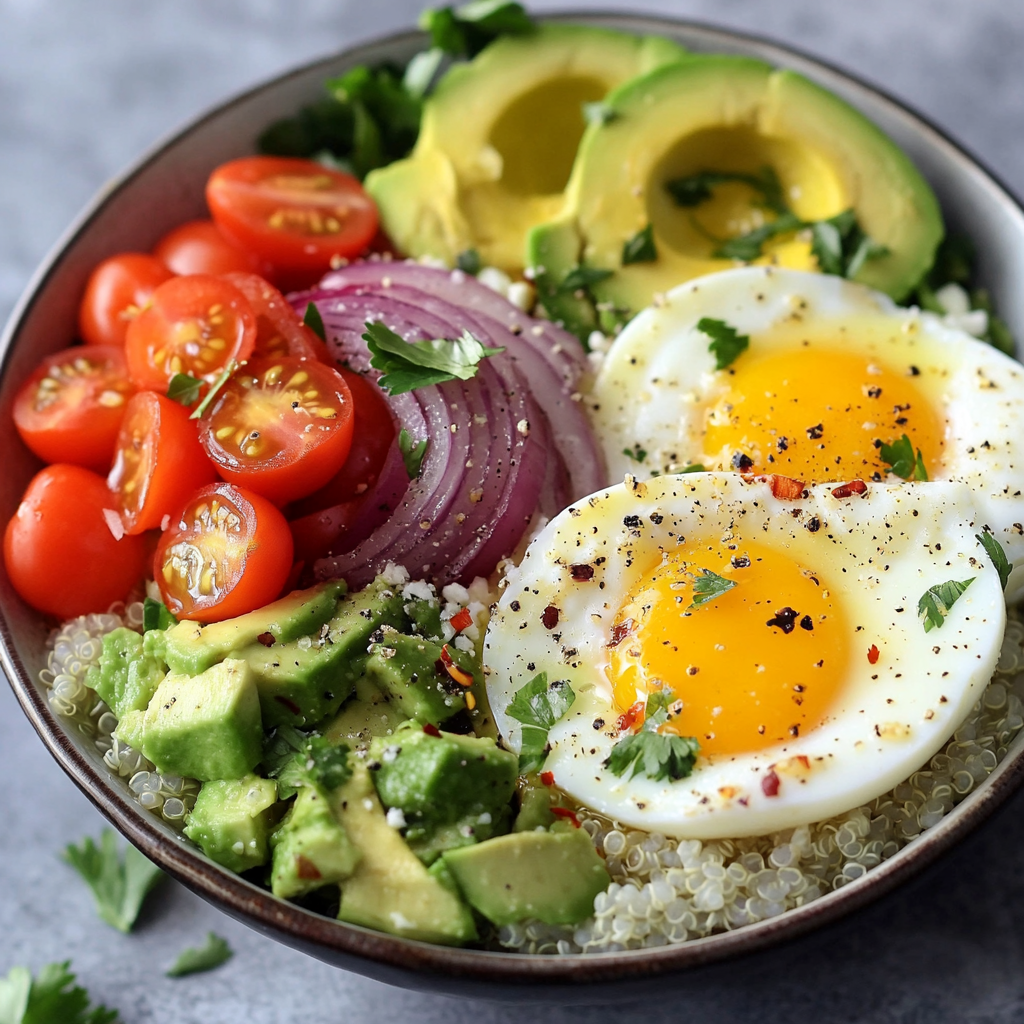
column 85, row 86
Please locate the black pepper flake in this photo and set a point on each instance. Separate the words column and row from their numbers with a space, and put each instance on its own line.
column 807, row 623
column 550, row 617
column 657, row 518
column 794, row 730
column 515, row 606
column 599, row 723
column 739, row 562
column 742, row 462
column 874, row 392
column 581, row 573
column 620, row 631
column 815, row 432
column 813, row 524
column 785, row 619
column 782, row 443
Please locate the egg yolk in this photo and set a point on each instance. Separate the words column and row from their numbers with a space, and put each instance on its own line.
column 818, row 413
column 756, row 666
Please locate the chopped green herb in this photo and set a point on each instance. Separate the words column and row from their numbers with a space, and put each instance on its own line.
column 184, row 389
column 119, row 887
column 693, row 467
column 156, row 616
column 314, row 321
column 997, row 555
column 412, row 452
column 421, row 71
column 651, row 753
column 936, row 602
column 279, row 750
column 539, row 706
column 902, row 461
column 464, row 31
column 50, row 998
column 841, row 246
column 214, row 388
column 583, row 277
column 708, row 586
column 214, row 952
column 469, row 262
column 726, row 342
column 410, row 365
column 599, row 113
column 695, row 189
column 314, row 762
column 636, row 453
column 640, row 248
column 749, row 247
column 954, row 261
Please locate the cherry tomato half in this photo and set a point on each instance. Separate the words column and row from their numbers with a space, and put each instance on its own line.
column 226, row 552
column 281, row 427
column 60, row 554
column 158, row 461
column 199, row 247
column 294, row 214
column 116, row 292
column 71, row 408
column 194, row 325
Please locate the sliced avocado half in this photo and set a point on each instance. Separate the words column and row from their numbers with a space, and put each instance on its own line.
column 736, row 116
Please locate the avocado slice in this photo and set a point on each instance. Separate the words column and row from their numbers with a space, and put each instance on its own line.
column 368, row 714
column 498, row 139
column 737, row 115
column 126, row 677
column 551, row 876
column 232, row 819
column 390, row 889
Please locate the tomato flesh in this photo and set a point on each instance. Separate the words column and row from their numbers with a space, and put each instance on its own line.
column 194, row 325
column 199, row 247
column 58, row 549
column 116, row 292
column 71, row 408
column 226, row 552
column 281, row 427
column 158, row 461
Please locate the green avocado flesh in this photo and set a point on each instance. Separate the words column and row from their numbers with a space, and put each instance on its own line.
column 231, row 821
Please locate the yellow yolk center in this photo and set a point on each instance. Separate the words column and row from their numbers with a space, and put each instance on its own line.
column 756, row 666
column 817, row 413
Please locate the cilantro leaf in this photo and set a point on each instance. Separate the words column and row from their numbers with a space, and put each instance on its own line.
column 995, row 552
column 214, row 952
column 52, row 998
column 652, row 753
column 464, row 31
column 841, row 246
column 726, row 342
column 314, row 321
column 749, row 247
column 214, row 388
column 583, row 277
column 694, row 189
column 184, row 389
column 469, row 262
column 412, row 452
column 538, row 706
column 636, row 453
column 296, row 759
column 410, row 365
column 936, row 602
column 902, row 461
column 118, row 887
column 599, row 113
column 693, row 467
column 156, row 616
column 708, row 586
column 421, row 71
column 640, row 248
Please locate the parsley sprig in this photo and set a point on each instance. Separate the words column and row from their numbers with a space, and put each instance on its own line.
column 652, row 753
column 297, row 759
column 538, row 706
column 726, row 343
column 214, row 952
column 936, row 602
column 155, row 615
column 902, row 460
column 413, row 452
column 998, row 556
column 708, row 586
column 52, row 997
column 640, row 248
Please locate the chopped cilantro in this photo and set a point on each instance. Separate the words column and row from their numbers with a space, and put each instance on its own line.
column 995, row 552
column 184, row 389
column 936, row 602
column 841, row 246
column 215, row 387
column 599, row 113
column 640, row 248
column 902, row 461
column 708, row 586
column 636, row 453
column 119, row 887
column 410, row 365
column 583, row 277
column 412, row 452
column 538, row 706
column 693, row 467
column 749, row 247
column 695, row 189
column 651, row 753
column 296, row 759
column 421, row 71
column 726, row 342
column 156, row 616
column 50, row 998
column 314, row 321
column 464, row 31
column 214, row 952
column 469, row 262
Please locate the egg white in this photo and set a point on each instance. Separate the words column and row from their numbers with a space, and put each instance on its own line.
column 659, row 378
column 877, row 553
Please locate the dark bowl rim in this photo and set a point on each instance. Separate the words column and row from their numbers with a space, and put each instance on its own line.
column 404, row 958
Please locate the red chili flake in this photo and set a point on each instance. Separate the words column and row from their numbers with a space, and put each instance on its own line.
column 770, row 783
column 873, row 655
column 633, row 717
column 620, row 632
column 460, row 676
column 432, row 730
column 289, row 704
column 306, row 869
column 550, row 617
column 786, row 488
column 267, row 639
column 461, row 620
column 850, row 489
column 804, row 760
column 564, row 812
column 548, row 778
column 581, row 573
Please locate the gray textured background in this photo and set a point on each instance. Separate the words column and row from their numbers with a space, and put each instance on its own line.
column 85, row 85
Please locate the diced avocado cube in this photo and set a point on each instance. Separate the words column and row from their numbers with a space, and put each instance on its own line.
column 192, row 647
column 367, row 714
column 232, row 819
column 535, row 801
column 303, row 681
column 410, row 671
column 126, row 677
column 390, row 889
column 551, row 876
column 206, row 726
column 425, row 616
column 130, row 728
column 310, row 848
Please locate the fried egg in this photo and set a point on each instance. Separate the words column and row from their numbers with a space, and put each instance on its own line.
column 810, row 682
column 833, row 372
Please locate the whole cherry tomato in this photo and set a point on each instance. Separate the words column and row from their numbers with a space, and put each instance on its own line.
column 199, row 247
column 116, row 292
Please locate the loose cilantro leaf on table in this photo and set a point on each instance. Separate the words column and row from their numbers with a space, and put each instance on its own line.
column 708, row 586
column 412, row 451
column 184, row 389
column 410, row 365
column 640, row 248
column 314, row 321
column 51, row 998
column 995, row 552
column 214, row 952
column 538, row 706
column 902, row 461
column 156, row 616
column 651, row 753
column 726, row 342
column 119, row 887
column 464, row 31
column 936, row 602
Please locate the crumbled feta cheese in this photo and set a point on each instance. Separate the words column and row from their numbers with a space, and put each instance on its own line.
column 974, row 322
column 395, row 818
column 495, row 279
column 953, row 299
column 521, row 294
column 395, row 575
column 456, row 594
column 418, row 590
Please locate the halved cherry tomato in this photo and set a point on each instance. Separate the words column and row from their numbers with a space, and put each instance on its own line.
column 158, row 461
column 116, row 292
column 200, row 247
column 295, row 214
column 60, row 554
column 279, row 331
column 281, row 427
column 194, row 325
column 226, row 552
column 71, row 408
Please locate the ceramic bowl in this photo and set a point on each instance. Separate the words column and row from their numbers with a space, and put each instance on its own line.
column 165, row 188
